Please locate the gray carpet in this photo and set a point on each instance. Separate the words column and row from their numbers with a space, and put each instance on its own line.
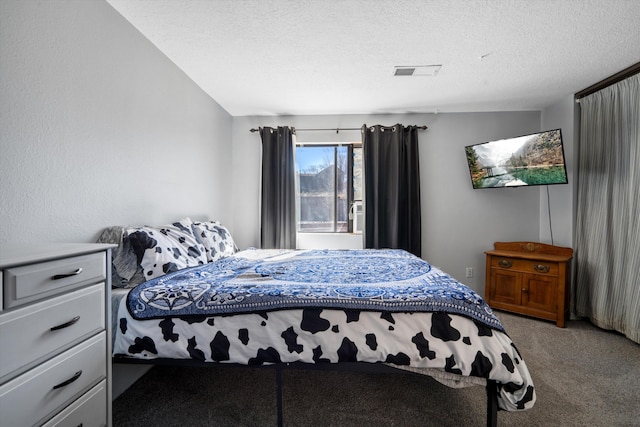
column 584, row 376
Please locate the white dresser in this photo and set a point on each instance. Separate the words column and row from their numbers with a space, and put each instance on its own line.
column 55, row 346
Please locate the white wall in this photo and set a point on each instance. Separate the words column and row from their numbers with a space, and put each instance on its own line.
column 99, row 128
column 458, row 224
column 561, row 115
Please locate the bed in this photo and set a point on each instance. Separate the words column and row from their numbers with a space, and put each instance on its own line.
column 315, row 308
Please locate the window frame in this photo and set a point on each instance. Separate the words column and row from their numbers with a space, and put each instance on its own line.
column 350, row 202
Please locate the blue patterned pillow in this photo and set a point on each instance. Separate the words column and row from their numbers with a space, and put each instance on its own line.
column 168, row 248
column 217, row 240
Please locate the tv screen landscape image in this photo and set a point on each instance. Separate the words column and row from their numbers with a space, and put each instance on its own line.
column 536, row 159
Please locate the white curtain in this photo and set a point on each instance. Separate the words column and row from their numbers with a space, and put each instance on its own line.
column 607, row 256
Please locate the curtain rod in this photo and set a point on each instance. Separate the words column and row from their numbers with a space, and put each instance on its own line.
column 336, row 129
column 611, row 80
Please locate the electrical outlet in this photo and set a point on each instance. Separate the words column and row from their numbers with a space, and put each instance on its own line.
column 469, row 272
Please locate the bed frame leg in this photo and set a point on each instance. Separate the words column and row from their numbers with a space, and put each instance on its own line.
column 279, row 393
column 492, row 404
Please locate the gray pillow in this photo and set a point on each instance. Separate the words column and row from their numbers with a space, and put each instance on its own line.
column 125, row 270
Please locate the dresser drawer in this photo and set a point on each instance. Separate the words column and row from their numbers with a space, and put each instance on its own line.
column 525, row 265
column 37, row 394
column 90, row 410
column 27, row 335
column 32, row 282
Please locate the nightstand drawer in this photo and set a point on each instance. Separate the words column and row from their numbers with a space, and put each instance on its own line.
column 88, row 411
column 37, row 394
column 525, row 265
column 32, row 282
column 31, row 334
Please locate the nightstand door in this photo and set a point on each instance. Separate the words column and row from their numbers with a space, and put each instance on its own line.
column 540, row 292
column 505, row 286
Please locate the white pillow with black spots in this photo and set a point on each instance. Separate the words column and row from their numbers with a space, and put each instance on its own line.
column 168, row 248
column 217, row 240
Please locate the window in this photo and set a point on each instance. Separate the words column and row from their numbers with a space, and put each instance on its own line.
column 329, row 188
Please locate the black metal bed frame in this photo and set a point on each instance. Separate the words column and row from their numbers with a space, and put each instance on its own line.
column 491, row 387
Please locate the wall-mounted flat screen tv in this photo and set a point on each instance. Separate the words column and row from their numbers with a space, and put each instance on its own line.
column 536, row 159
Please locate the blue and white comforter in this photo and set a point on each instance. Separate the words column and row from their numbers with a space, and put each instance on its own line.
column 381, row 280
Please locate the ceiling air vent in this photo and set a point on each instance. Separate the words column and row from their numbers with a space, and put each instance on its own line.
column 416, row 70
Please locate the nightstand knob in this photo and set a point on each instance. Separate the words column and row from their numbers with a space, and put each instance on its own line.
column 505, row 263
column 541, row 268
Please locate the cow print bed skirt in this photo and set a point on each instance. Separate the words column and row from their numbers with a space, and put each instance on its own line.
column 448, row 343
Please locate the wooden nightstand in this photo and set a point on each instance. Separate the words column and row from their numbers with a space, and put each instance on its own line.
column 529, row 278
column 55, row 344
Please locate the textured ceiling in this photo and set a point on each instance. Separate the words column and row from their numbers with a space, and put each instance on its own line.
column 264, row 57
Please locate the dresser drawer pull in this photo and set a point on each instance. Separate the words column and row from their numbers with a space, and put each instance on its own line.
column 505, row 263
column 66, row 324
column 69, row 381
column 541, row 268
column 64, row 276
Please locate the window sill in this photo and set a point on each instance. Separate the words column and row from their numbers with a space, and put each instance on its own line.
column 321, row 233
column 329, row 241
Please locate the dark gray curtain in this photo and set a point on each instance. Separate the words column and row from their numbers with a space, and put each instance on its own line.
column 392, row 188
column 278, row 220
